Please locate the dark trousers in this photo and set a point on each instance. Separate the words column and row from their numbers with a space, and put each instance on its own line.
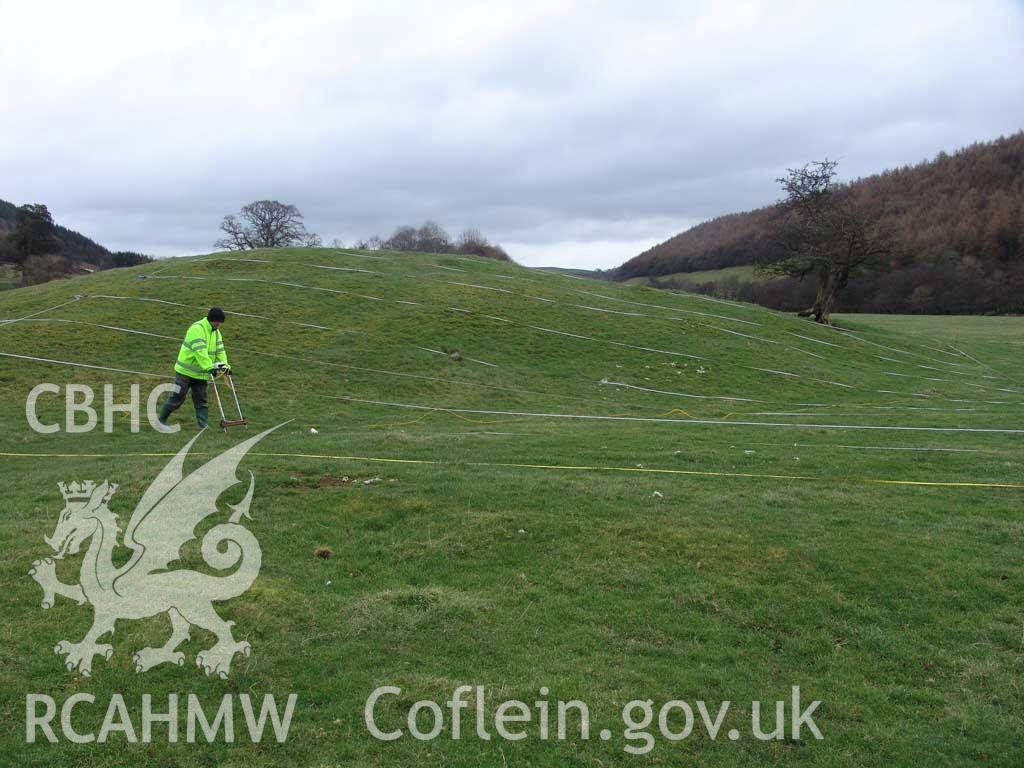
column 186, row 384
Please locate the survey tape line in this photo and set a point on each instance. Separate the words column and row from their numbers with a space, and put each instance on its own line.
column 83, row 365
column 820, row 357
column 344, row 366
column 535, row 327
column 41, row 311
column 706, row 325
column 551, row 467
column 506, row 291
column 156, row 454
column 753, row 400
column 846, row 333
column 667, row 309
column 314, row 266
column 473, row 285
column 317, row 288
column 652, row 419
column 263, row 317
column 806, row 352
column 542, row 329
column 351, row 252
column 923, row 449
column 942, row 351
column 344, row 269
column 903, row 448
column 577, row 306
column 324, row 328
column 677, row 394
column 974, row 359
column 889, row 359
column 851, row 335
column 737, row 333
column 439, row 352
column 611, row 311
column 456, row 309
column 770, row 370
column 883, row 357
column 610, row 298
column 718, row 301
column 817, row 341
column 139, row 298
column 430, row 378
column 227, row 311
column 318, row 362
column 943, row 484
column 102, row 325
column 595, row 309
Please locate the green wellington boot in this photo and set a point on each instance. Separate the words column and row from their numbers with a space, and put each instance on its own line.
column 165, row 412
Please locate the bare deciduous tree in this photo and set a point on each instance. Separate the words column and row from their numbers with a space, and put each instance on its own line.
column 373, row 243
column 470, row 241
column 431, row 238
column 822, row 232
column 404, row 238
column 265, row 224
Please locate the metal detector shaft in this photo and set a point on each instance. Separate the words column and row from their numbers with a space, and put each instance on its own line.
column 231, row 383
column 220, row 406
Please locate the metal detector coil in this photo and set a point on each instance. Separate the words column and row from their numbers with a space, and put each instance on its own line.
column 241, row 421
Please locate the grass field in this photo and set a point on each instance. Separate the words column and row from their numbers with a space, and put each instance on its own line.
column 744, row 273
column 610, row 492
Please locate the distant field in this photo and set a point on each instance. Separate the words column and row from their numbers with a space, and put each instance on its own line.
column 960, row 330
column 610, row 492
column 742, row 273
column 569, row 271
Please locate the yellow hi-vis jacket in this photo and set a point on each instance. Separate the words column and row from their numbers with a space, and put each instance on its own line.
column 202, row 348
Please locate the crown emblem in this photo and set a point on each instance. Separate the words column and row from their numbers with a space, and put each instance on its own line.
column 78, row 492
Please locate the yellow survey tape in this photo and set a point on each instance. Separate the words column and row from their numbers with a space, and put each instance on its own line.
column 556, row 467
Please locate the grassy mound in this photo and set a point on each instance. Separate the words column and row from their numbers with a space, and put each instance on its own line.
column 528, row 479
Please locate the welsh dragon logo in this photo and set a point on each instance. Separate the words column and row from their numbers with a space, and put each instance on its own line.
column 164, row 520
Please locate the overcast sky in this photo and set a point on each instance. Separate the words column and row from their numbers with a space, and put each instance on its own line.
column 575, row 134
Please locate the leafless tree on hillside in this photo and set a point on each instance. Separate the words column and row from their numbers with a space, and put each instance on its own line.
column 822, row 232
column 265, row 224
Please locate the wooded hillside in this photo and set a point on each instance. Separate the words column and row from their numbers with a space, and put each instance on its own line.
column 957, row 223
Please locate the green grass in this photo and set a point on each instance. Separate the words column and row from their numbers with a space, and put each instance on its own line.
column 781, row 558
column 966, row 331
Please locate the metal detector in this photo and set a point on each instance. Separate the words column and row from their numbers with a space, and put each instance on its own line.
column 241, row 421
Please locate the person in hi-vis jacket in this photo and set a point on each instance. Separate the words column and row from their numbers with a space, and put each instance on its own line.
column 202, row 357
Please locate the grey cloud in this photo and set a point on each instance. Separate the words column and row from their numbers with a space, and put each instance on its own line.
column 550, row 126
